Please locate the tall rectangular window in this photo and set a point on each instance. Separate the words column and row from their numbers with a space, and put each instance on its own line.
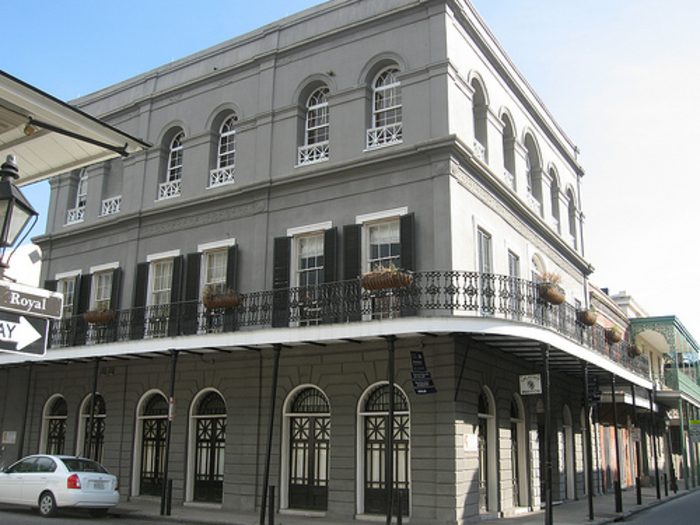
column 67, row 288
column 215, row 270
column 102, row 283
column 513, row 264
column 485, row 261
column 310, row 262
column 384, row 245
column 161, row 282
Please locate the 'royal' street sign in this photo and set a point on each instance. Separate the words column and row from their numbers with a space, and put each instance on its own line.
column 35, row 302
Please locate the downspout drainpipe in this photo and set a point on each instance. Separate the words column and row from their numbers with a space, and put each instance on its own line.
column 171, row 415
column 684, row 449
column 618, row 480
column 546, row 384
column 390, row 433
column 691, row 445
column 652, row 402
column 637, row 448
column 26, row 411
column 268, row 455
column 91, row 420
column 587, row 443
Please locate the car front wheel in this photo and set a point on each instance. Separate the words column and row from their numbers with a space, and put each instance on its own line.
column 47, row 505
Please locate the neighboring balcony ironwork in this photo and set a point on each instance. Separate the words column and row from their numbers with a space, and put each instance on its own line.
column 431, row 294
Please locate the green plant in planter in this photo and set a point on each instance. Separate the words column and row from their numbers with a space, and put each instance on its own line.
column 613, row 335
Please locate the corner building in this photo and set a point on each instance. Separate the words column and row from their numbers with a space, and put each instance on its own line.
column 286, row 164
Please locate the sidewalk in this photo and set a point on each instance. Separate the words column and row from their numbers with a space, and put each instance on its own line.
column 570, row 513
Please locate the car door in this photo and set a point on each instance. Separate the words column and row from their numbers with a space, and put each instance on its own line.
column 12, row 479
column 37, row 479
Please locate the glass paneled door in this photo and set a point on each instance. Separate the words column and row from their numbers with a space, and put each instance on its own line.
column 310, row 428
column 154, row 421
column 210, row 439
column 376, row 423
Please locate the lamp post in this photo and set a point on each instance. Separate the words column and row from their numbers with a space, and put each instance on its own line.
column 15, row 210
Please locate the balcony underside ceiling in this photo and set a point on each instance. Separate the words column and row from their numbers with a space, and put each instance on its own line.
column 522, row 342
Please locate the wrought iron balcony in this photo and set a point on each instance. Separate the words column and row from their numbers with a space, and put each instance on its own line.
column 431, row 294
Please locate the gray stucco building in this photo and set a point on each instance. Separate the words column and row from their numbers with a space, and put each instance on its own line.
column 286, row 164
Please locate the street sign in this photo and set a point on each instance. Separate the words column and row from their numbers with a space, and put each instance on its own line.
column 23, row 334
column 530, row 385
column 694, row 431
column 29, row 300
column 636, row 434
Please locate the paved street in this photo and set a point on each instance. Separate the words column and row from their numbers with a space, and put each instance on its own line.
column 674, row 509
column 682, row 511
column 22, row 516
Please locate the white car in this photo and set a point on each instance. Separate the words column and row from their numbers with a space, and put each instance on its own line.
column 51, row 482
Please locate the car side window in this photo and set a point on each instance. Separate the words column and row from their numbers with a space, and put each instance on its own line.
column 21, row 467
column 45, row 465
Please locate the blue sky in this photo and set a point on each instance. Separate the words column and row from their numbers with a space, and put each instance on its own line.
column 621, row 77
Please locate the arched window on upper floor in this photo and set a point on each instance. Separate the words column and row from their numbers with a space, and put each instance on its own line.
column 533, row 175
column 77, row 212
column 172, row 185
column 480, row 114
column 387, row 113
column 316, row 128
column 508, row 151
column 225, row 154
column 554, row 186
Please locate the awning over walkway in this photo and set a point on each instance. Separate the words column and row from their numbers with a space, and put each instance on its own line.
column 50, row 137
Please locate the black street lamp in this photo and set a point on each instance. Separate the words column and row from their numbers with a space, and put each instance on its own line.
column 15, row 210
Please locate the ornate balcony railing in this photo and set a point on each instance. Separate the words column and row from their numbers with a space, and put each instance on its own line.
column 432, row 294
column 384, row 136
column 314, row 153
column 75, row 215
column 167, row 190
column 111, row 206
column 221, row 176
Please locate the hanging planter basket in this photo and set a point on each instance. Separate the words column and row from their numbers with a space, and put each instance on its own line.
column 587, row 317
column 551, row 293
column 99, row 316
column 222, row 300
column 385, row 280
column 613, row 335
column 635, row 351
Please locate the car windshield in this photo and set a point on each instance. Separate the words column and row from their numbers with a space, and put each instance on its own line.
column 83, row 465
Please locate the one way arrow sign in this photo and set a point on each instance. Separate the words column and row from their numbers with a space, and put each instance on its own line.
column 19, row 333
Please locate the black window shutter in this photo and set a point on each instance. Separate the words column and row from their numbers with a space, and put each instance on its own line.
column 138, row 320
column 81, row 305
column 281, row 255
column 352, row 244
column 330, row 255
column 51, row 285
column 330, row 274
column 116, row 295
column 176, row 296
column 408, row 296
column 231, row 315
column 232, row 267
column 352, row 258
column 194, row 265
column 115, row 303
column 190, row 308
column 280, row 280
column 408, row 257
